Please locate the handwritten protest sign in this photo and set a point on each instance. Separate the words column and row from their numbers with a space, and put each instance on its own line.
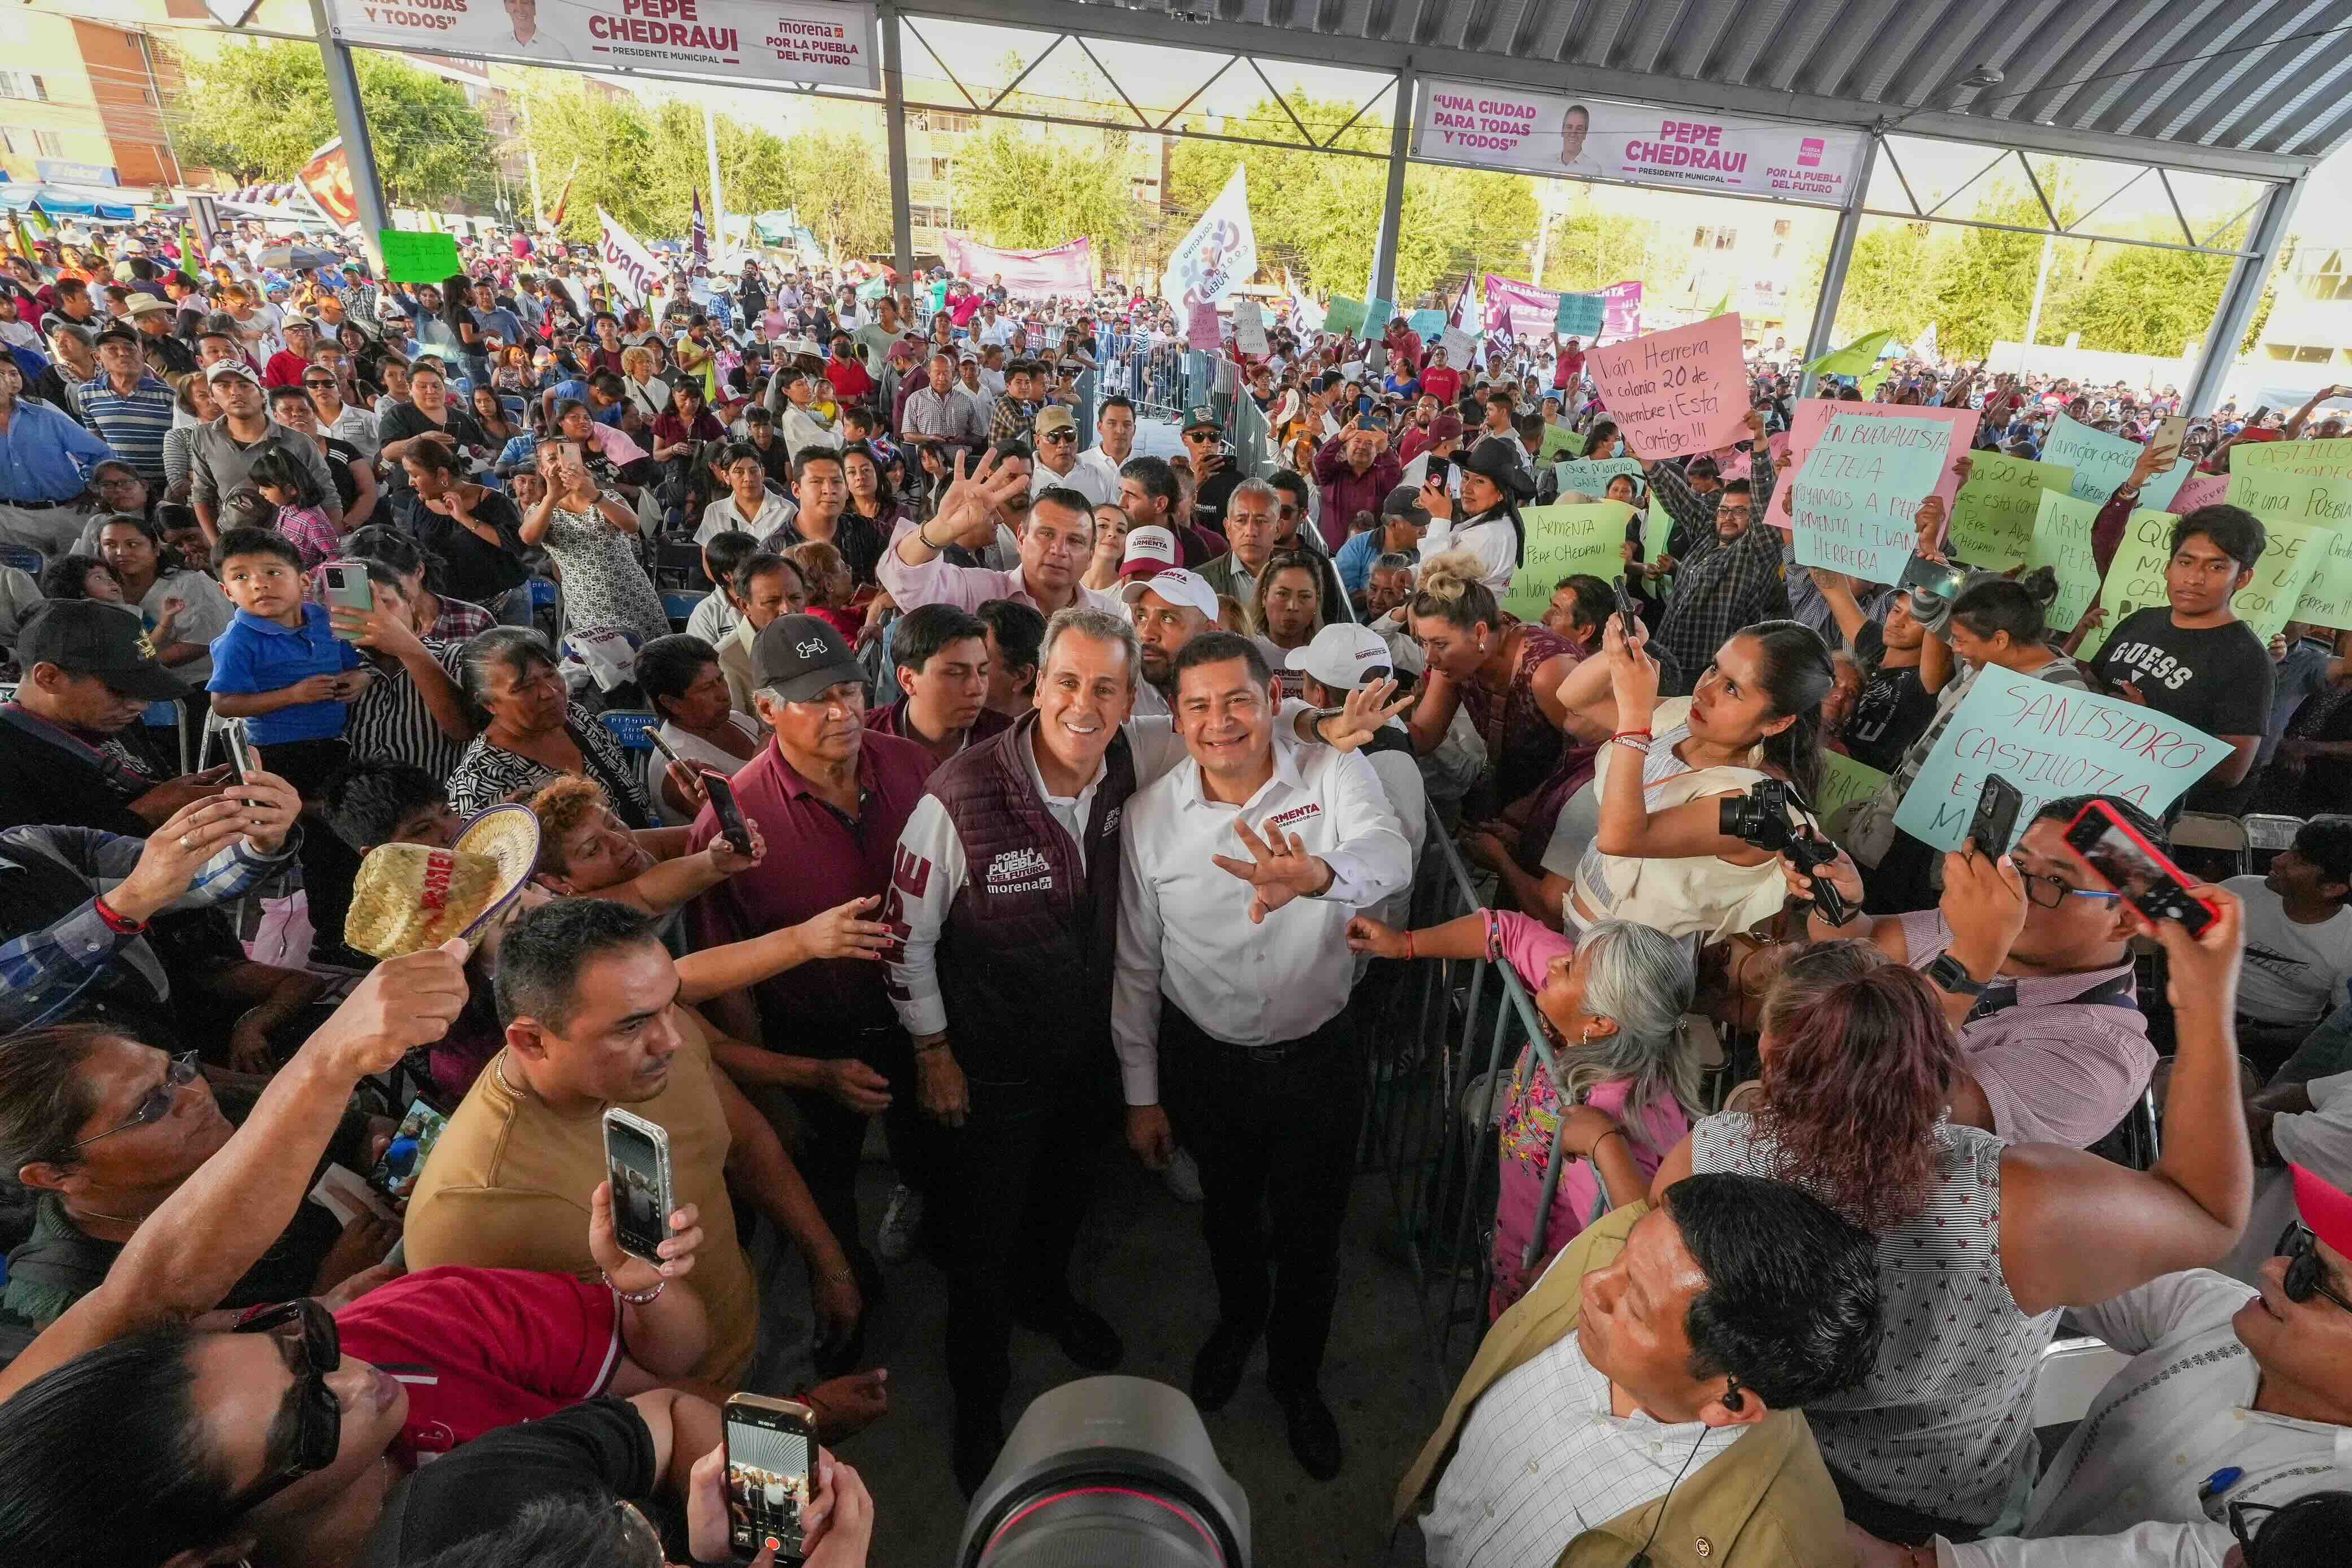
column 1592, row 477
column 1344, row 316
column 1993, row 515
column 1378, row 314
column 2062, row 542
column 1656, row 530
column 1560, row 441
column 1843, row 783
column 2134, row 577
column 2293, row 554
column 1561, row 543
column 1200, row 329
column 2102, row 462
column 414, row 257
column 1427, row 324
column 1581, row 315
column 2050, row 741
column 2198, row 490
column 2289, row 482
column 2160, row 491
column 2327, row 597
column 1854, row 500
column 1249, row 328
column 1676, row 393
column 1458, row 346
column 1813, row 413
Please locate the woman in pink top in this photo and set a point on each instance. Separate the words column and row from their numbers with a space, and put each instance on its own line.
column 1611, row 1010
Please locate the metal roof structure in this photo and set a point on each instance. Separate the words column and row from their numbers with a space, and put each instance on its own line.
column 2238, row 87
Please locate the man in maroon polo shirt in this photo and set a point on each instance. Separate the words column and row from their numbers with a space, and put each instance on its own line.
column 831, row 799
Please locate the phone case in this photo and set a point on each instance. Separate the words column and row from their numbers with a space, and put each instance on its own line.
column 2170, row 900
column 626, row 1218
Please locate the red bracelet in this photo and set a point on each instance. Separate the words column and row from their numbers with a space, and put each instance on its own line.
column 1623, row 732
column 1408, row 953
column 121, row 924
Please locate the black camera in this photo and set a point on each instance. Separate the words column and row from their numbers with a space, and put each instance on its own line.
column 1760, row 819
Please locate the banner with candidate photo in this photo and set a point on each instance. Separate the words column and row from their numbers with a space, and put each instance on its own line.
column 1488, row 126
column 819, row 42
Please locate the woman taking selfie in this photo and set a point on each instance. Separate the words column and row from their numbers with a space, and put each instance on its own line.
column 1506, row 674
column 591, row 536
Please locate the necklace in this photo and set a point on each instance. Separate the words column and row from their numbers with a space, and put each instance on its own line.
column 93, row 1214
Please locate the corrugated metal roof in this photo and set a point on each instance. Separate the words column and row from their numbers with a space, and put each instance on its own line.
column 2252, row 75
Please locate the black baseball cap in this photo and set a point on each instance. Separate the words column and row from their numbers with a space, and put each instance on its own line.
column 117, row 332
column 799, row 656
column 1405, row 501
column 91, row 637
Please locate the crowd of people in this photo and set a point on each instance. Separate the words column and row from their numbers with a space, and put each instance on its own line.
column 786, row 703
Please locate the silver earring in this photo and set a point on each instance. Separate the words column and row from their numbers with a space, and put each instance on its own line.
column 1586, row 1037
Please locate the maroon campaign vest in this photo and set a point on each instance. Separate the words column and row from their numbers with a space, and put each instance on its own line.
column 1026, row 958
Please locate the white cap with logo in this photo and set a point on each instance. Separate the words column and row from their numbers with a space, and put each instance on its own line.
column 1175, row 585
column 1341, row 654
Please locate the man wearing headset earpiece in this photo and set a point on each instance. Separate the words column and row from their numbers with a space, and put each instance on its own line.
column 1640, row 1406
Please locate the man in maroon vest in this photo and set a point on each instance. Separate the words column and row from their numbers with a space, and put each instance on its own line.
column 1007, row 880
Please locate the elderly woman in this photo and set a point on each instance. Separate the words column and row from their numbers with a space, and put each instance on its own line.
column 196, row 408
column 532, row 731
column 641, row 388
column 686, row 688
column 103, row 1128
column 1611, row 1009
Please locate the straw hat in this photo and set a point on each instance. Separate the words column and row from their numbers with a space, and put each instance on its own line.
column 409, row 898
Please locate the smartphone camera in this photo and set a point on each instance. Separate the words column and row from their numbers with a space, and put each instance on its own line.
column 637, row 1160
column 770, row 1453
column 2131, row 865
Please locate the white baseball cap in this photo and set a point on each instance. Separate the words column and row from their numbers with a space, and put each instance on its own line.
column 1175, row 585
column 1340, row 654
column 1150, row 551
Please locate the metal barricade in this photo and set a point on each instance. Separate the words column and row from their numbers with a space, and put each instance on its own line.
column 1152, row 375
column 1450, row 1022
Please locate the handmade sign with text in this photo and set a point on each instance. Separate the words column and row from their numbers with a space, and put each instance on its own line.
column 2134, row 577
column 1994, row 513
column 1563, row 542
column 1855, row 500
column 1676, row 393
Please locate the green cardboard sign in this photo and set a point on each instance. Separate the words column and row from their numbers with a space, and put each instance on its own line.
column 410, row 257
column 1564, row 541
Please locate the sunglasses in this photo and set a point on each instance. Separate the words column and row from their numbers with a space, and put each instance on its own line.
column 2306, row 1270
column 1059, row 435
column 308, row 1330
column 156, row 1103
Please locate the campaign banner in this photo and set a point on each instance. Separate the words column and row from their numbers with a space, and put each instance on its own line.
column 1566, row 541
column 1855, row 499
column 326, row 178
column 1676, row 393
column 1488, row 127
column 1519, row 310
column 820, row 42
column 1067, row 268
column 1621, row 311
column 2050, row 741
column 630, row 267
column 1219, row 255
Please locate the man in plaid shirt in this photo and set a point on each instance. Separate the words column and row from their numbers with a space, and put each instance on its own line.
column 1732, row 573
column 75, row 902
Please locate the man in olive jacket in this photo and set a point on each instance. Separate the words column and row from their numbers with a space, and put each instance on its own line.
column 1644, row 1396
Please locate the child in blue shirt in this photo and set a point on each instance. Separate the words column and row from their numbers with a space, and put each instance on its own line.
column 279, row 668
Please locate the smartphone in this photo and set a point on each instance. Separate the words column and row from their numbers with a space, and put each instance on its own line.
column 1376, row 420
column 1937, row 578
column 403, row 1158
column 771, row 1474
column 636, row 1159
column 344, row 585
column 1998, row 805
column 2170, row 431
column 730, row 815
column 1627, row 612
column 2260, row 414
column 241, row 760
column 2143, row 873
column 653, row 733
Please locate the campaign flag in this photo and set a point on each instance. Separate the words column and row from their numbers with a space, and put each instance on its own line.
column 1856, row 359
column 563, row 197
column 698, row 236
column 1218, row 256
column 630, row 267
column 1925, row 349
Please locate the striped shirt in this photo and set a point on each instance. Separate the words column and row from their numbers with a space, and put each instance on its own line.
column 133, row 423
column 391, row 723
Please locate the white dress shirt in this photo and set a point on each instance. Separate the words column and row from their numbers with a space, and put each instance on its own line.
column 1103, row 464
column 1542, row 1459
column 2123, row 1492
column 1494, row 543
column 1184, row 925
column 1086, row 481
column 714, row 617
column 723, row 516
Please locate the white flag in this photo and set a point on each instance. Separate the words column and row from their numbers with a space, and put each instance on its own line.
column 628, row 266
column 1925, row 348
column 1218, row 257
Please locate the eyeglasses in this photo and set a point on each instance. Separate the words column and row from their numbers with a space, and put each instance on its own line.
column 318, row 1413
column 156, row 1103
column 2306, row 1270
column 2059, row 892
column 2242, row 1516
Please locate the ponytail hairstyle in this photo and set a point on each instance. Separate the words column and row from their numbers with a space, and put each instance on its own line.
column 1860, row 1067
column 1451, row 591
column 1798, row 675
column 2019, row 607
column 1603, row 430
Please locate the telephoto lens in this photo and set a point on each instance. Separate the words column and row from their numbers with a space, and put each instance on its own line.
column 1108, row 1470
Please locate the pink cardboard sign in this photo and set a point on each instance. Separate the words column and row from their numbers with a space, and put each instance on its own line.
column 1200, row 326
column 1679, row 393
column 2198, row 490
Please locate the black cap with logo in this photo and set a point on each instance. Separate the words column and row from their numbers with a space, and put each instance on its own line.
column 799, row 657
column 91, row 637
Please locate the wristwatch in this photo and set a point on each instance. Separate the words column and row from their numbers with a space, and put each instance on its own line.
column 1952, row 976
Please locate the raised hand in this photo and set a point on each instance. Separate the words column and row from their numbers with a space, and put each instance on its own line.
column 1279, row 869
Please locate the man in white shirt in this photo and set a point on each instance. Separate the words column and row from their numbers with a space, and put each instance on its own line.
column 749, row 507
column 1058, row 460
column 1665, row 1353
column 1233, row 974
column 2231, row 1396
column 1055, row 549
column 1115, row 439
column 968, row 377
column 2298, row 941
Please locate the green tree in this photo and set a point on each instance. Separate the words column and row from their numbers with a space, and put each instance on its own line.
column 1891, row 284
column 1022, row 190
column 2146, row 301
column 255, row 111
column 1593, row 249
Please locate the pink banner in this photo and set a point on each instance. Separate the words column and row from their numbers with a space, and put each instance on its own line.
column 1528, row 313
column 2198, row 490
column 1622, row 303
column 1028, row 274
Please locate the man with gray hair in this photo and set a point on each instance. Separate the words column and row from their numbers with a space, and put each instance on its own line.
column 1252, row 514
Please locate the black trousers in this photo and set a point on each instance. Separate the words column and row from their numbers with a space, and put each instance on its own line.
column 833, row 1137
column 328, row 866
column 1016, row 1179
column 1272, row 1136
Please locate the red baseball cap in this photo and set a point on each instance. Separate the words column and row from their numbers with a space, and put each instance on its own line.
column 2326, row 1210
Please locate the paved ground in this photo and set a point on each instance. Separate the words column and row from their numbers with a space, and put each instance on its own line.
column 1142, row 1263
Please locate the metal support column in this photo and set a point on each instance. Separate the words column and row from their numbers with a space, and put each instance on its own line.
column 351, row 118
column 1384, row 248
column 894, row 117
column 2247, row 278
column 1825, row 308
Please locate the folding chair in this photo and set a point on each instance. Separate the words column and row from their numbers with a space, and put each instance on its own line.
column 2210, row 845
column 679, row 606
column 2266, row 835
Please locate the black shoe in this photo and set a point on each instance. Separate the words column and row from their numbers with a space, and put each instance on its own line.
column 1085, row 1335
column 1217, row 1370
column 977, row 1441
column 1313, row 1433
